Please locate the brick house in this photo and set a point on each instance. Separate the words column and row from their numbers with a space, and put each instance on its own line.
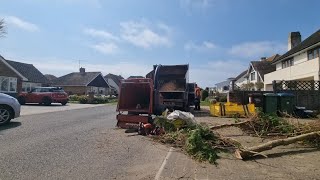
column 16, row 77
column 83, row 82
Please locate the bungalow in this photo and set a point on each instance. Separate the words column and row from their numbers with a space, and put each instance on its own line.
column 83, row 82
column 16, row 77
column 300, row 62
column 114, row 81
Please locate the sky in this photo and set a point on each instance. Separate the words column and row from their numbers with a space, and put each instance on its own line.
column 217, row 38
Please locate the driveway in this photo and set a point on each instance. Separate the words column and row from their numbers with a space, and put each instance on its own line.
column 31, row 109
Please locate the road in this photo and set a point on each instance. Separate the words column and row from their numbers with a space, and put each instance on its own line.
column 76, row 144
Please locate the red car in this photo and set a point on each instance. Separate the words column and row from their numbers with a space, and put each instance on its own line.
column 44, row 95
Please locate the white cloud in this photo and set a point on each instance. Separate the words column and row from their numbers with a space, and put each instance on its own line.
column 22, row 24
column 100, row 34
column 204, row 46
column 257, row 49
column 141, row 35
column 106, row 48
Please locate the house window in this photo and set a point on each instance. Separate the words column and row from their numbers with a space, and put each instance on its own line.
column 253, row 76
column 287, row 63
column 27, row 86
column 313, row 53
column 8, row 84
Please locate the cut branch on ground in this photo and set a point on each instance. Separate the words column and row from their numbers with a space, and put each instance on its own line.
column 229, row 125
column 256, row 150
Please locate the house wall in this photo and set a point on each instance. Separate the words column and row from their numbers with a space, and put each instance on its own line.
column 257, row 79
column 303, row 69
column 7, row 72
column 241, row 81
column 98, row 90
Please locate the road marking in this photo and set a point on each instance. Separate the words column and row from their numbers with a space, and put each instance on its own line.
column 165, row 161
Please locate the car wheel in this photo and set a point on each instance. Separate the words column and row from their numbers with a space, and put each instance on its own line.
column 5, row 114
column 46, row 101
column 64, row 103
column 21, row 100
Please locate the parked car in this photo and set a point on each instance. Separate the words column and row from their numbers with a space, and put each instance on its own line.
column 44, row 95
column 9, row 108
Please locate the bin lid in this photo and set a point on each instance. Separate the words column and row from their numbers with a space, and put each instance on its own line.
column 285, row 94
column 270, row 94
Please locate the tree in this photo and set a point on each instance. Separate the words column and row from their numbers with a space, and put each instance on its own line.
column 204, row 94
column 2, row 27
column 248, row 86
column 259, row 85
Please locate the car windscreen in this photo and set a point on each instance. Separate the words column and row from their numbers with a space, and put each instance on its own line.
column 57, row 90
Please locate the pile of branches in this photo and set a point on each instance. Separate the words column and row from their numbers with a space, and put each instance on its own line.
column 263, row 125
column 288, row 131
column 203, row 143
column 198, row 141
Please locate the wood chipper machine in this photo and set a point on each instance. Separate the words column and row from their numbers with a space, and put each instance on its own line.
column 135, row 102
column 164, row 88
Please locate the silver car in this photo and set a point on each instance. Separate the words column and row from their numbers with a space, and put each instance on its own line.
column 9, row 108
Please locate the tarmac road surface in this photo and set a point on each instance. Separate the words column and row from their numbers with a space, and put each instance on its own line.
column 76, row 144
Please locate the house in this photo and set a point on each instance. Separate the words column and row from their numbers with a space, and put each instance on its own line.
column 114, row 81
column 300, row 62
column 83, row 82
column 241, row 79
column 224, row 86
column 257, row 70
column 16, row 77
column 50, row 78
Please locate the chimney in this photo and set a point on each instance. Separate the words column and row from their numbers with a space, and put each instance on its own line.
column 294, row 39
column 263, row 58
column 82, row 70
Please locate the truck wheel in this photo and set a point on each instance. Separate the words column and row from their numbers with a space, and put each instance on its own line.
column 5, row 114
column 46, row 101
column 22, row 100
column 64, row 103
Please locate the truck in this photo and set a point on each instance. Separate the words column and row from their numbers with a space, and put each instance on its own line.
column 165, row 87
column 170, row 87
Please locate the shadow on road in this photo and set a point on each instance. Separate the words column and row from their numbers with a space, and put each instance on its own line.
column 51, row 105
column 10, row 125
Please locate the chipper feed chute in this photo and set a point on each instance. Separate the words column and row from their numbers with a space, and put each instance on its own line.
column 135, row 103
